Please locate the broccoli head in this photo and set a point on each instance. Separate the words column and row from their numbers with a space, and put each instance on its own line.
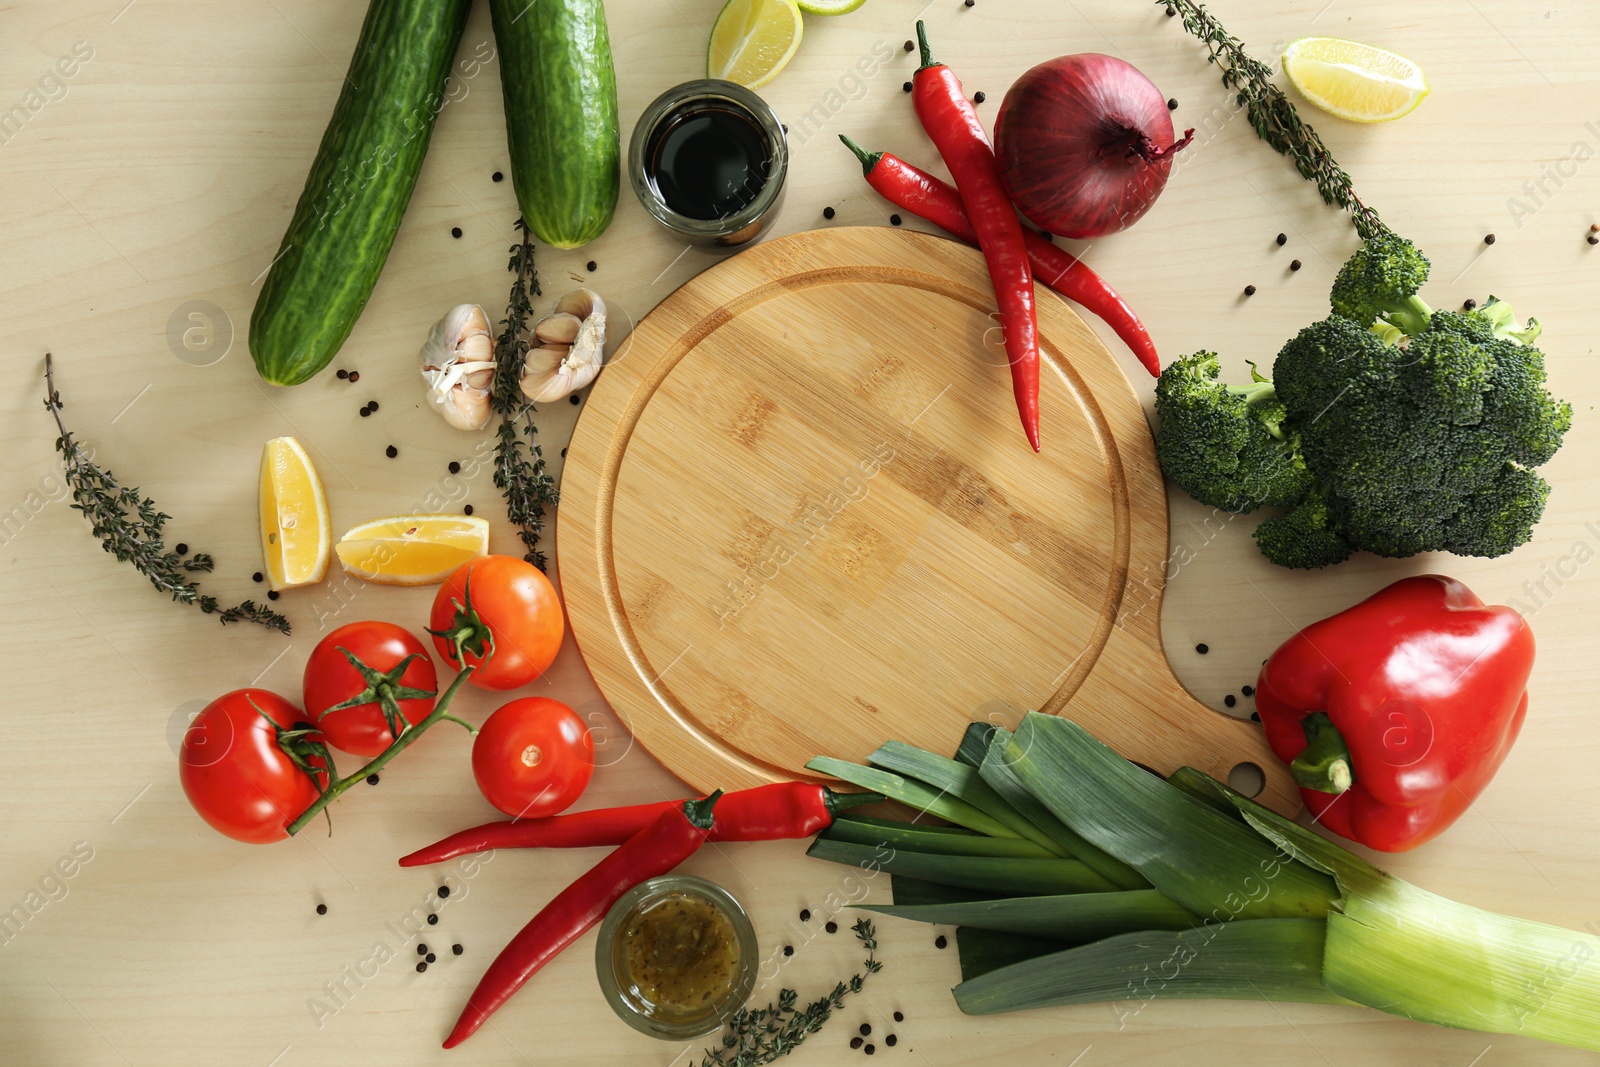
column 1380, row 283
column 1306, row 537
column 1428, row 446
column 1225, row 446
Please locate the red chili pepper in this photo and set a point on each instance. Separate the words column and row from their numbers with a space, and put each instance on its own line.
column 1395, row 714
column 953, row 126
column 783, row 810
column 673, row 837
column 922, row 194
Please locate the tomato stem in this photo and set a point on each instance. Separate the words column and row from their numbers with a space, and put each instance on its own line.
column 332, row 793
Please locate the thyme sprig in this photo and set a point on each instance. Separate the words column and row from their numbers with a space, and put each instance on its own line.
column 1273, row 114
column 762, row 1035
column 130, row 528
column 520, row 475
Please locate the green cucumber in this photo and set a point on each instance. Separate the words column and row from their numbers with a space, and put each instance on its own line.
column 356, row 193
column 561, row 115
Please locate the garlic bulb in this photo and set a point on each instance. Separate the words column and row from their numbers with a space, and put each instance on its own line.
column 458, row 365
column 570, row 350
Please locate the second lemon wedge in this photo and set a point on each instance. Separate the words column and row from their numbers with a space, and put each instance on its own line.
column 412, row 549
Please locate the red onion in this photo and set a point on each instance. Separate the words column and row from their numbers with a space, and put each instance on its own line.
column 1084, row 144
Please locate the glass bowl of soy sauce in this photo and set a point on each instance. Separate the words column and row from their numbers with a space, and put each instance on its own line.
column 708, row 159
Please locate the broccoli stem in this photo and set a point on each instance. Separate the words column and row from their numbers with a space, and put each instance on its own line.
column 1411, row 315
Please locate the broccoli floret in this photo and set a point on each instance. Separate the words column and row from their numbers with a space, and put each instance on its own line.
column 1226, row 446
column 1305, row 538
column 1380, row 282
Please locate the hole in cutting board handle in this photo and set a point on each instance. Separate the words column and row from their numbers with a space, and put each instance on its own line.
column 1247, row 778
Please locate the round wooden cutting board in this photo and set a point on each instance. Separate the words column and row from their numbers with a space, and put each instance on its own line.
column 799, row 517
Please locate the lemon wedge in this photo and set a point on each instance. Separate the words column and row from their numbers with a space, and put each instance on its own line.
column 1352, row 80
column 752, row 40
column 829, row 7
column 294, row 516
column 412, row 549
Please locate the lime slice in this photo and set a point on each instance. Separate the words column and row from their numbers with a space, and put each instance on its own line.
column 752, row 40
column 1352, row 80
column 829, row 7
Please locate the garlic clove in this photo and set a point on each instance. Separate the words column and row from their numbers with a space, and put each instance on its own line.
column 572, row 348
column 458, row 367
column 558, row 328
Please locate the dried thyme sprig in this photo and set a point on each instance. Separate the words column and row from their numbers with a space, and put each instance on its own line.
column 130, row 528
column 1273, row 114
column 520, row 476
column 754, row 1037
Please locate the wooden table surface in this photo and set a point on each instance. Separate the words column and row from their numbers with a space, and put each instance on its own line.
column 155, row 181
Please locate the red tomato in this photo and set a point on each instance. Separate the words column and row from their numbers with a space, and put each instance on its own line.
column 533, row 757
column 518, row 604
column 234, row 773
column 331, row 680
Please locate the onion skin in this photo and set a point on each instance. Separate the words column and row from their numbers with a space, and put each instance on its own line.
column 1085, row 144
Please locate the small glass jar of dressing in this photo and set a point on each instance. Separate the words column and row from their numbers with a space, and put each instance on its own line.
column 707, row 159
column 676, row 957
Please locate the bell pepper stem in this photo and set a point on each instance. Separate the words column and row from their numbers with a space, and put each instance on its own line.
column 1324, row 764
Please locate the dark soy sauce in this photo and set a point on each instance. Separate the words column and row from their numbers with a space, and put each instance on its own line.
column 707, row 161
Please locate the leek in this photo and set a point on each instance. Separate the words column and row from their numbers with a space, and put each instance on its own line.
column 922, row 797
column 963, row 783
column 992, row 874
column 914, row 838
column 982, row 951
column 1073, row 917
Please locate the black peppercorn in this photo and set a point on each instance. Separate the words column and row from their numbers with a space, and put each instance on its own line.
column 940, row 942
column 422, row 950
column 181, row 549
column 355, row 376
column 891, row 1041
column 855, row 1042
column 372, row 405
column 805, row 915
column 911, row 46
column 899, row 1017
column 342, row 374
column 456, row 949
column 970, row 3
column 869, row 1050
column 1230, row 700
column 575, row 399
column 1469, row 303
column 365, row 412
column 979, row 97
column 1488, row 238
column 832, row 927
column 590, row 266
column 256, row 577
column 1255, row 716
column 455, row 231
column 1249, row 290
column 827, row 212
column 895, row 220
column 1283, row 239
column 391, row 451
column 433, row 920
column 866, row 1029
column 1593, row 239
column 1202, row 648
column 788, row 950
column 563, row 453
column 1295, row 264
column 1172, row 105
column 322, row 909
column 906, row 87
column 497, row 177
column 1248, row 690
column 430, row 958
column 444, row 891
column 421, row 966
column 372, row 779
column 454, row 468
column 272, row 594
column 467, row 510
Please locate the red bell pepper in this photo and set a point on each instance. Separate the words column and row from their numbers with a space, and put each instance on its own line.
column 1394, row 714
